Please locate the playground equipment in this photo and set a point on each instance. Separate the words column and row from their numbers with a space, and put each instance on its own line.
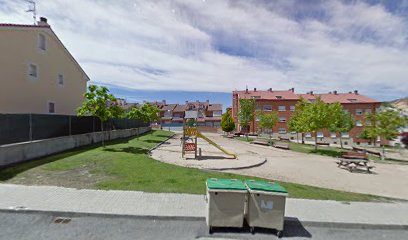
column 190, row 135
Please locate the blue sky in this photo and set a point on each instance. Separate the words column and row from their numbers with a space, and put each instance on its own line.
column 198, row 49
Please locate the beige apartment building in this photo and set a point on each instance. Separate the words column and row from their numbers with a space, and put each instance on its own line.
column 38, row 74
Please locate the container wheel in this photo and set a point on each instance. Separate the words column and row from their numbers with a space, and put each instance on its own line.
column 252, row 230
column 279, row 234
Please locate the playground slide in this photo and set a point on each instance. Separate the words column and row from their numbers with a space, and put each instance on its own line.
column 200, row 135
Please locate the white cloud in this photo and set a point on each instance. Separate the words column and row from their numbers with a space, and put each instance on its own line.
column 220, row 45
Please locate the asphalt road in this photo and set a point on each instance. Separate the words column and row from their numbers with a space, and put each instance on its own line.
column 20, row 225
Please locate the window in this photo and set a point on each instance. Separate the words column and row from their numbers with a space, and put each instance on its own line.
column 368, row 110
column 256, row 97
column 320, row 134
column 60, row 79
column 217, row 113
column 33, row 71
column 293, row 132
column 312, row 100
column 358, row 123
column 292, row 108
column 258, row 106
column 257, row 119
column 308, row 135
column 352, row 100
column 282, row 130
column 282, row 119
column 278, row 97
column 333, row 135
column 51, row 107
column 282, row 108
column 359, row 112
column 345, row 135
column 267, row 107
column 42, row 42
column 368, row 123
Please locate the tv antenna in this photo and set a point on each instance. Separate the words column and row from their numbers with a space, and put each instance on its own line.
column 32, row 9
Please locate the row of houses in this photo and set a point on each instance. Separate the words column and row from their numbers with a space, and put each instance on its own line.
column 209, row 114
column 284, row 103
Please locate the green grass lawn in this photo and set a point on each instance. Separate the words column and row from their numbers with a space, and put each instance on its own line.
column 125, row 165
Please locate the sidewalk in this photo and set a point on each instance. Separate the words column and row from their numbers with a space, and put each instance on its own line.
column 58, row 199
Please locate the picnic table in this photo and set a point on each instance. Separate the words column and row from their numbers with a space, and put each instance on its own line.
column 353, row 164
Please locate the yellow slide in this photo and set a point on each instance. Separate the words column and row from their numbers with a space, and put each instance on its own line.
column 195, row 132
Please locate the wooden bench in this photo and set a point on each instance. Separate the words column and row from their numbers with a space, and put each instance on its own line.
column 354, row 155
column 323, row 144
column 284, row 139
column 353, row 164
column 281, row 145
column 261, row 142
column 374, row 153
column 367, row 151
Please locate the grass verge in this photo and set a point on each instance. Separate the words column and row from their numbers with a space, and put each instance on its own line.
column 125, row 165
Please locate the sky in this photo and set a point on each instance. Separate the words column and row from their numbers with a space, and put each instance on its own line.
column 199, row 49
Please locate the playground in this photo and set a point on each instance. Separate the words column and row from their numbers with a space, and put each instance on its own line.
column 388, row 180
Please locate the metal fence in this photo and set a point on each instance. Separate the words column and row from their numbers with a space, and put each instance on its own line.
column 16, row 128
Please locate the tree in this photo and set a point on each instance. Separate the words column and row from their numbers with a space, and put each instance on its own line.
column 191, row 122
column 267, row 121
column 101, row 104
column 341, row 121
column 385, row 124
column 147, row 113
column 227, row 123
column 316, row 116
column 246, row 113
column 296, row 122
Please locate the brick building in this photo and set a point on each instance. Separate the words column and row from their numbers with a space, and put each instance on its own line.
column 284, row 102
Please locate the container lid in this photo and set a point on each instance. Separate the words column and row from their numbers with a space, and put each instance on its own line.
column 265, row 186
column 228, row 184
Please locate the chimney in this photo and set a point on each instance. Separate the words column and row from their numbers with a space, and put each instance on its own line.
column 246, row 90
column 356, row 92
column 350, row 92
column 208, row 101
column 293, row 90
column 186, row 102
column 311, row 92
column 270, row 89
column 43, row 21
column 255, row 89
column 335, row 92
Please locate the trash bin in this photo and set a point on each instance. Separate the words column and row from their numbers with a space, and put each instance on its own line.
column 266, row 205
column 225, row 203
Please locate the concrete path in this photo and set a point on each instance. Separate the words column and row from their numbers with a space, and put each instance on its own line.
column 389, row 180
column 58, row 199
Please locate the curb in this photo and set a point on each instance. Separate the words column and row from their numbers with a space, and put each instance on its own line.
column 237, row 168
column 289, row 221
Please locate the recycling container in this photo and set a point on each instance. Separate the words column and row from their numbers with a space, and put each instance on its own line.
column 266, row 205
column 225, row 203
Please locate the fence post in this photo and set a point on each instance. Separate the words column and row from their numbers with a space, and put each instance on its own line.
column 30, row 122
column 70, row 128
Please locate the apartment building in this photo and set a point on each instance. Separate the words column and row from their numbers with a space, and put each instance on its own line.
column 38, row 74
column 284, row 103
column 173, row 114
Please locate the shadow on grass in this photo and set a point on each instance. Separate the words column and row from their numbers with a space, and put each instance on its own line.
column 134, row 150
column 12, row 170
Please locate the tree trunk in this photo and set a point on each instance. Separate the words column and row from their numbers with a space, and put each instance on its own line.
column 315, row 140
column 103, row 135
column 383, row 152
column 341, row 143
column 303, row 138
column 297, row 137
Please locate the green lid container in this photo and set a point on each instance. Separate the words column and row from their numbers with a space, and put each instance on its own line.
column 226, row 184
column 265, row 186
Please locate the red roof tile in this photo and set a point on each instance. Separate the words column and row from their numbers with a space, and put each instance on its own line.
column 339, row 97
column 180, row 108
column 214, row 107
column 270, row 95
column 168, row 107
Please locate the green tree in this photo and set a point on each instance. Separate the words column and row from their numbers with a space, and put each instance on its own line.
column 101, row 104
column 341, row 121
column 246, row 113
column 191, row 122
column 147, row 113
column 267, row 121
column 297, row 121
column 316, row 116
column 227, row 123
column 385, row 124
